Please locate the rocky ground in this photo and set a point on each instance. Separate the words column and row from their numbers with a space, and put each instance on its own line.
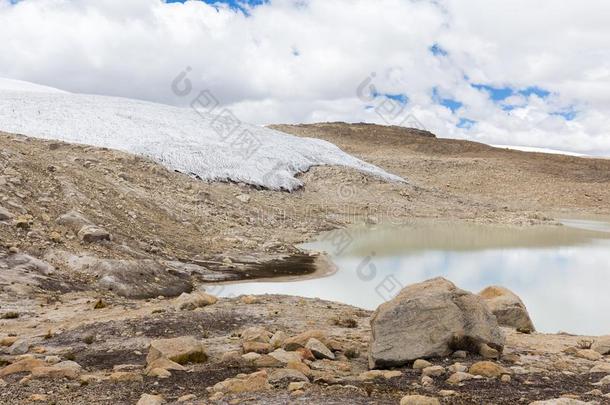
column 95, row 244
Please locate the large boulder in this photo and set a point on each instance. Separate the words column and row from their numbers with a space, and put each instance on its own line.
column 507, row 307
column 601, row 345
column 430, row 319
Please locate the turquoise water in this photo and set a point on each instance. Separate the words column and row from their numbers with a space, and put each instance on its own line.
column 562, row 273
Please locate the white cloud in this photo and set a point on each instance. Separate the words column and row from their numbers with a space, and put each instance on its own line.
column 302, row 61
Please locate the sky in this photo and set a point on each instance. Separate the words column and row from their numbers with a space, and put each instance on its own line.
column 500, row 72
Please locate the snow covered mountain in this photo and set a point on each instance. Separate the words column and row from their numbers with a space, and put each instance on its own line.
column 208, row 142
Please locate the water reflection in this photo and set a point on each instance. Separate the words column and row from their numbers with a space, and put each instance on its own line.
column 561, row 273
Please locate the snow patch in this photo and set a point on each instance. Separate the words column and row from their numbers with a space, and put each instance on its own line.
column 18, row 85
column 179, row 138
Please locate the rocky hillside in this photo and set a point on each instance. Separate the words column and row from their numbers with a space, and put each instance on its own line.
column 102, row 254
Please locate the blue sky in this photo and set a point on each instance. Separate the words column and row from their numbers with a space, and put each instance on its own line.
column 235, row 4
column 463, row 70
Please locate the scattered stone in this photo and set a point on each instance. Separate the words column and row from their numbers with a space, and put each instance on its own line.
column 126, row 367
column 601, row 345
column 459, row 377
column 285, row 357
column 94, row 234
column 300, row 340
column 147, row 399
column 427, row 320
column 588, row 354
column 487, row 369
column 426, row 381
column 125, row 376
column 52, row 359
column 319, row 350
column 73, row 220
column 254, row 382
column 256, row 347
column 372, row 374
column 600, row 368
column 420, row 364
column 455, row 367
column 39, row 398
column 603, row 382
column 249, row 357
column 182, row 350
column 20, row 346
column 197, row 299
column 306, row 354
column 507, row 307
column 256, row 334
column 188, row 397
column 21, row 366
column 488, row 352
column 164, row 364
column 8, row 340
column 505, row 378
column 433, row 371
column 278, row 339
column 418, row 400
column 282, row 377
column 297, row 385
column 447, row 393
column 301, row 367
column 159, row 373
column 5, row 215
column 66, row 369
column 268, row 361
column 511, row 358
column 460, row 354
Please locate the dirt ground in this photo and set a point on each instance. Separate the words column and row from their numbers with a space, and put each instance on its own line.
column 166, row 228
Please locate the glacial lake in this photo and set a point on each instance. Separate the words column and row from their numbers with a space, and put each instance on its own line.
column 562, row 273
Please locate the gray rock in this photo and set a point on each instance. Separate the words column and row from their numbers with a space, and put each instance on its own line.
column 21, row 346
column 601, row 345
column 73, row 220
column 319, row 350
column 284, row 376
column 430, row 319
column 5, row 215
column 94, row 234
column 507, row 307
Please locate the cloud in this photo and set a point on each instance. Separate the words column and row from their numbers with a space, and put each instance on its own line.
column 304, row 61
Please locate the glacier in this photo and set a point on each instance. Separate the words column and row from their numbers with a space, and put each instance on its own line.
column 212, row 145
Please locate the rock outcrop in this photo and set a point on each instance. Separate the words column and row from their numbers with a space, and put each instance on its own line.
column 507, row 307
column 430, row 319
column 601, row 345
